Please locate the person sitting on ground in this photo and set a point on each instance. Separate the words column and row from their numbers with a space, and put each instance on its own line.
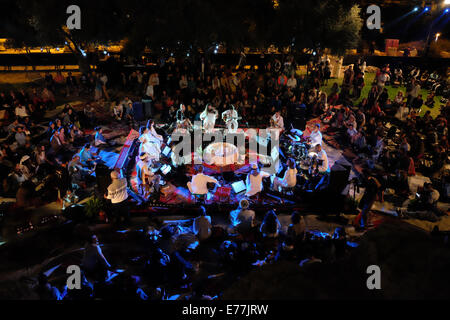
column 254, row 181
column 351, row 133
column 87, row 157
column 431, row 199
column 243, row 218
column 199, row 183
column 55, row 143
column 297, row 228
column 148, row 182
column 118, row 111
column 290, row 177
column 21, row 136
column 202, row 225
column 271, row 226
column 278, row 120
column 46, row 291
column 78, row 173
column 100, row 140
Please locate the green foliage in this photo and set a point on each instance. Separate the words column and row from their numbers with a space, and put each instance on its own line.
column 317, row 25
column 187, row 24
column 93, row 208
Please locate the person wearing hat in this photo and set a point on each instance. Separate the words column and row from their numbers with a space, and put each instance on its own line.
column 243, row 218
column 117, row 193
column 254, row 181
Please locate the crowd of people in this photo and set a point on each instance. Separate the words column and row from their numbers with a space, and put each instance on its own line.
column 57, row 157
column 197, row 260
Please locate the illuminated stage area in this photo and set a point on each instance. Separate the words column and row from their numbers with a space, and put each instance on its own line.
column 199, row 150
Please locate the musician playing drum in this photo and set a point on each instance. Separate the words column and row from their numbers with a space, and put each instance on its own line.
column 315, row 137
column 320, row 162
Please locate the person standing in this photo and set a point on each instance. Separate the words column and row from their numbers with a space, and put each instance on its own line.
column 202, row 225
column 118, row 194
column 370, row 195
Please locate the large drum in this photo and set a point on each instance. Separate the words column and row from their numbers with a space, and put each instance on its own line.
column 221, row 154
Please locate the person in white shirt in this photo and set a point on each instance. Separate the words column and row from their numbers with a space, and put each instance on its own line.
column 202, row 225
column 117, row 192
column 322, row 156
column 199, row 183
column 21, row 111
column 209, row 117
column 278, row 120
column 316, row 136
column 231, row 120
column 292, row 82
column 118, row 112
column 150, row 143
column 290, row 177
column 254, row 181
column 351, row 132
column 154, row 136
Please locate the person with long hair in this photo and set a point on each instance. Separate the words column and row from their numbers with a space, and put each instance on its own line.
column 271, row 226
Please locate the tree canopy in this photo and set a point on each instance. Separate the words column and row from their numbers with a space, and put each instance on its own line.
column 186, row 24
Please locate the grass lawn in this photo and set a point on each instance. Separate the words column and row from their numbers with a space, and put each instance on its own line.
column 392, row 93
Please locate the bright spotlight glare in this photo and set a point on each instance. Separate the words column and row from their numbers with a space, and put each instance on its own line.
column 427, row 9
column 446, row 2
column 416, row 9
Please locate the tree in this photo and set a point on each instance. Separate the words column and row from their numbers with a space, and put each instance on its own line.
column 187, row 25
column 317, row 25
